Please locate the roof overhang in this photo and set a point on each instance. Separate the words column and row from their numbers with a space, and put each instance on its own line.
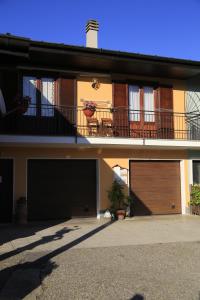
column 28, row 53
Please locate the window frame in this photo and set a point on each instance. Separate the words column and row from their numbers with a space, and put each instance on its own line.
column 195, row 161
column 38, row 102
column 141, row 101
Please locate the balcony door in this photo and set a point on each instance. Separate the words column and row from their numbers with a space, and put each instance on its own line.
column 142, row 107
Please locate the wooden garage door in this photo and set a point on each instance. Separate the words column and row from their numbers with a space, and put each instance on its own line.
column 155, row 187
column 60, row 189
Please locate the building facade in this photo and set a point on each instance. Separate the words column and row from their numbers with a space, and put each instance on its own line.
column 63, row 158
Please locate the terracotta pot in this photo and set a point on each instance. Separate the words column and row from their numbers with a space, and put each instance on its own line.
column 120, row 213
column 88, row 112
column 22, row 106
column 21, row 211
column 195, row 209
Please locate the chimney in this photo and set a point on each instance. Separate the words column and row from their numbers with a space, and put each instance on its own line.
column 92, row 28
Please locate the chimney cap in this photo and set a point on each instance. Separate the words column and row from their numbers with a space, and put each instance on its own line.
column 92, row 25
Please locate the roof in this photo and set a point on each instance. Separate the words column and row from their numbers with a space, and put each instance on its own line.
column 27, row 52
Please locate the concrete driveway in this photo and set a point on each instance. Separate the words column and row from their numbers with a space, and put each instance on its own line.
column 143, row 258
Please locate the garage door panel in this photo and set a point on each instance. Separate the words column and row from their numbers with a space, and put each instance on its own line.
column 155, row 187
column 58, row 189
column 6, row 190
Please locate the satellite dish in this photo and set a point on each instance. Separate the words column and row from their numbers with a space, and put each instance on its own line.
column 2, row 104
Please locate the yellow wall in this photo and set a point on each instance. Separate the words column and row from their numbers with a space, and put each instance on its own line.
column 108, row 158
column 179, row 107
column 102, row 97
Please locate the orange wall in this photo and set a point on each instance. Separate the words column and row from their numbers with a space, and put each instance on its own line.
column 102, row 97
column 108, row 158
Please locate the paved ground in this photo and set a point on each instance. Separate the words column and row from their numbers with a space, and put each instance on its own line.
column 142, row 258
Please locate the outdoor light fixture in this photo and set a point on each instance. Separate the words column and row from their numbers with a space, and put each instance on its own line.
column 95, row 84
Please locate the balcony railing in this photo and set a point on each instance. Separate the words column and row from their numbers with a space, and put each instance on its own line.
column 117, row 122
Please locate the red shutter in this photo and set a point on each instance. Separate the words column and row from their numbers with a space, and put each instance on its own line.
column 66, row 98
column 66, row 92
column 166, row 115
column 120, row 92
column 166, row 98
column 10, row 88
column 120, row 114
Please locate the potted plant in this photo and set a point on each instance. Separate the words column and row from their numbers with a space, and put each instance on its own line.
column 21, row 210
column 22, row 104
column 195, row 199
column 89, row 108
column 117, row 199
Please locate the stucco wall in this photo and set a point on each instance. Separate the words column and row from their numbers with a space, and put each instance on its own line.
column 108, row 158
column 102, row 97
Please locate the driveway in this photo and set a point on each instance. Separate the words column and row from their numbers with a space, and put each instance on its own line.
column 142, row 258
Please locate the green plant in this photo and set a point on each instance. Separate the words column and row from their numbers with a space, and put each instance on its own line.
column 90, row 105
column 128, row 200
column 116, row 196
column 195, row 195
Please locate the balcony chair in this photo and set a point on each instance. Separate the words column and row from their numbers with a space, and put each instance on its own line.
column 93, row 126
column 106, row 127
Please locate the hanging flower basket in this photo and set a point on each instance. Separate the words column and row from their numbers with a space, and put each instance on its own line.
column 21, row 104
column 89, row 108
column 88, row 113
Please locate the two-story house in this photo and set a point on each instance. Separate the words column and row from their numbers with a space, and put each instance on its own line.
column 143, row 127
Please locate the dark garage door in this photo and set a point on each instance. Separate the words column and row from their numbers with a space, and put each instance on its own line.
column 6, row 190
column 155, row 187
column 60, row 189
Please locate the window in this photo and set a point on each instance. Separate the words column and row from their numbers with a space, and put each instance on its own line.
column 47, row 97
column 42, row 94
column 196, row 172
column 141, row 103
column 29, row 89
column 148, row 104
column 134, row 103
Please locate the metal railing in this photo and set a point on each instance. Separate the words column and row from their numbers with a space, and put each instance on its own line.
column 54, row 120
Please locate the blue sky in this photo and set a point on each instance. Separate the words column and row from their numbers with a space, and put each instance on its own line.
column 159, row 27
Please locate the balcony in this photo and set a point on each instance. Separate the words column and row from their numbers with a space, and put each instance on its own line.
column 62, row 121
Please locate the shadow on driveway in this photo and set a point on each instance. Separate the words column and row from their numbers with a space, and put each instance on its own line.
column 20, row 280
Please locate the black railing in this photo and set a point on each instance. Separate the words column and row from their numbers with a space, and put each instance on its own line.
column 116, row 122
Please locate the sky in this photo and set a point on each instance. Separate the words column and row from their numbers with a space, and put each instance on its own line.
column 158, row 27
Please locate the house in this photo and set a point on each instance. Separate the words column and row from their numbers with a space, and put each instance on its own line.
column 62, row 158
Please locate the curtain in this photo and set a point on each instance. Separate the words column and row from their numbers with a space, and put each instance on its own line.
column 47, row 97
column 134, row 103
column 29, row 89
column 149, row 115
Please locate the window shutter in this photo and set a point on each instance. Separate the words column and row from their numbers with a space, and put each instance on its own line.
column 120, row 93
column 166, row 114
column 10, row 88
column 66, row 92
column 120, row 115
column 166, row 98
column 66, row 101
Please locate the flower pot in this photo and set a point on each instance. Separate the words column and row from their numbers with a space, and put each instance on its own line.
column 21, row 211
column 22, row 105
column 120, row 213
column 195, row 209
column 88, row 112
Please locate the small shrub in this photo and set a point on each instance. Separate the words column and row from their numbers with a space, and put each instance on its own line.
column 116, row 196
column 195, row 195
